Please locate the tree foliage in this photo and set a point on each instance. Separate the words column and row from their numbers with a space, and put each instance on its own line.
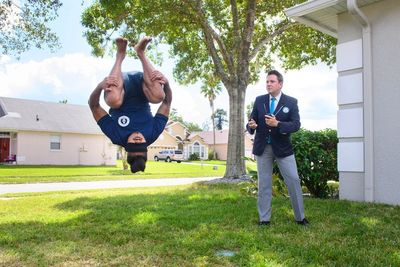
column 25, row 25
column 220, row 117
column 230, row 41
column 191, row 126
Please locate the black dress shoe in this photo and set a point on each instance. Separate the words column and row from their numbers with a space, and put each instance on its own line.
column 303, row 222
column 263, row 223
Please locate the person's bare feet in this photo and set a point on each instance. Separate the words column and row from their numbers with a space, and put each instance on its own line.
column 121, row 43
column 140, row 47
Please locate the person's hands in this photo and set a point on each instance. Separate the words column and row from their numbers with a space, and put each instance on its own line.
column 111, row 81
column 270, row 120
column 252, row 124
column 159, row 77
column 107, row 82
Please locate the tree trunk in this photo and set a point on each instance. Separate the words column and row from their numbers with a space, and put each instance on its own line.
column 235, row 166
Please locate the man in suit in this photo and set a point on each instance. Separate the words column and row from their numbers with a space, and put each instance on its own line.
column 274, row 117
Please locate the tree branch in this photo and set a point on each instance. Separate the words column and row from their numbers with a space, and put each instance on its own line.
column 236, row 29
column 243, row 60
column 283, row 27
column 210, row 35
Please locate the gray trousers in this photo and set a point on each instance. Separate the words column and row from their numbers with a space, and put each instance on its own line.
column 288, row 169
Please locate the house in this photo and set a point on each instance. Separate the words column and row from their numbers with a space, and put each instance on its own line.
column 39, row 133
column 368, row 92
column 221, row 142
column 176, row 136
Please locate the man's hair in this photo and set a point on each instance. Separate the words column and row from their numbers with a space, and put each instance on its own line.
column 138, row 162
column 277, row 74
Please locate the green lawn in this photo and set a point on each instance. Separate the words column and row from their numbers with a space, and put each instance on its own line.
column 35, row 174
column 189, row 226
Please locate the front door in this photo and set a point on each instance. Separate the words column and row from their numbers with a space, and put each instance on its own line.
column 4, row 148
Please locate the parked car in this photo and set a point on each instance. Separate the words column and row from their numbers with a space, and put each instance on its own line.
column 169, row 155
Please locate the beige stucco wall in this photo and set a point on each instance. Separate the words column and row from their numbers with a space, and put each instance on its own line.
column 222, row 151
column 164, row 141
column 384, row 18
column 177, row 129
column 33, row 148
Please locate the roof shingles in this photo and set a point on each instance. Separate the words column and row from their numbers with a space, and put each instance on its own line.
column 32, row 115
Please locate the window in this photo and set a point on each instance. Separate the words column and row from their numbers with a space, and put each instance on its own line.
column 55, row 142
column 196, row 148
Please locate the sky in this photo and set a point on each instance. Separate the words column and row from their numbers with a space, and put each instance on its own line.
column 72, row 73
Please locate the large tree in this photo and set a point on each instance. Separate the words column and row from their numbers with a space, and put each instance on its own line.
column 24, row 24
column 231, row 40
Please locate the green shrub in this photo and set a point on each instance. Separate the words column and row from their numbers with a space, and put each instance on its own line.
column 211, row 154
column 251, row 187
column 316, row 158
column 194, row 156
column 333, row 189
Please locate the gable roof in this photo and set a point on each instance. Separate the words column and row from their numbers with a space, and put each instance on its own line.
column 32, row 115
column 322, row 14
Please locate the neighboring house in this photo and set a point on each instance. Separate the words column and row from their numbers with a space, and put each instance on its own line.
column 221, row 143
column 368, row 92
column 176, row 136
column 45, row 133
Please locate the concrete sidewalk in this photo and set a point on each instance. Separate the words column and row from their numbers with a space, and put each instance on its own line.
column 47, row 187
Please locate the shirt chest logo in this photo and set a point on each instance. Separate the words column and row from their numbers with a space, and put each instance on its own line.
column 123, row 121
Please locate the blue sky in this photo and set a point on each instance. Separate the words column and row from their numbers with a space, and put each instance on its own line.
column 71, row 73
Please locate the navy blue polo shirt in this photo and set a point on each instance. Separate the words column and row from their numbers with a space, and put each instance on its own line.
column 134, row 115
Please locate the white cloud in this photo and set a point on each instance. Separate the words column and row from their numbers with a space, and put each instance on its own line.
column 70, row 77
column 315, row 89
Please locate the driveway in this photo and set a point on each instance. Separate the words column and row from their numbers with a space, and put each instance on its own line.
column 46, row 187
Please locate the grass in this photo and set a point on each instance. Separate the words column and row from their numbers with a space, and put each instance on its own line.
column 189, row 226
column 33, row 174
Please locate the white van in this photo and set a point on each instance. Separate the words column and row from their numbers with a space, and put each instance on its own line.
column 169, row 155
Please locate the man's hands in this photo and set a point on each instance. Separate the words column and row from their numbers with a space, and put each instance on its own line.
column 252, row 124
column 159, row 77
column 108, row 82
column 270, row 120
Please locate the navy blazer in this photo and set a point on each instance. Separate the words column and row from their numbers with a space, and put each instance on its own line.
column 287, row 113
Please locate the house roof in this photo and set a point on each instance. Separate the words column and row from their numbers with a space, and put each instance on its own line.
column 322, row 14
column 32, row 115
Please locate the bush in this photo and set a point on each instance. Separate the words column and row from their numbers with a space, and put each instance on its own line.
column 194, row 156
column 316, row 158
column 211, row 154
column 251, row 187
column 333, row 189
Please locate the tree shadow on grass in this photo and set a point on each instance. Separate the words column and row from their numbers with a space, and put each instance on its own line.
column 188, row 227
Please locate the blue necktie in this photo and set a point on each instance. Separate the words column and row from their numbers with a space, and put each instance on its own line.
column 272, row 105
column 271, row 111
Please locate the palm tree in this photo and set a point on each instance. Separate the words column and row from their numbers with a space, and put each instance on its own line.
column 221, row 118
column 210, row 90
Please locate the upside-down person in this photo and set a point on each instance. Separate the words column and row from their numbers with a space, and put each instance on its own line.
column 130, row 122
